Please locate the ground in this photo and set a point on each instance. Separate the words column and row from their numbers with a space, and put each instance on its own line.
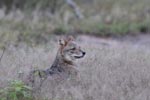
column 113, row 69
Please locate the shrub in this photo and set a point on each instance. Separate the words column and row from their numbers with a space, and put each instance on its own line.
column 16, row 90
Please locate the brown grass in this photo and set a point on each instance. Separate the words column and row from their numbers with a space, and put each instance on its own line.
column 111, row 70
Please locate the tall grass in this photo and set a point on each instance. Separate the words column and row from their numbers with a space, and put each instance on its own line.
column 110, row 70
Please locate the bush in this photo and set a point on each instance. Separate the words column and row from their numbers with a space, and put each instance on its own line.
column 16, row 90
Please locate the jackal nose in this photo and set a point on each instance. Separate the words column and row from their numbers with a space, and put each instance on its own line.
column 84, row 53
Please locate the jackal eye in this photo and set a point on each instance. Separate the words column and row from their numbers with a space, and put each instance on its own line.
column 73, row 48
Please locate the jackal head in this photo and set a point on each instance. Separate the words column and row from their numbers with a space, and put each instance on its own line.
column 69, row 50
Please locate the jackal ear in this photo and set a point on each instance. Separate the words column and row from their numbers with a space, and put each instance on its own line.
column 62, row 42
column 70, row 38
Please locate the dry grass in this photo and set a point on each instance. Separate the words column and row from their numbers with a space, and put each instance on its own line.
column 111, row 70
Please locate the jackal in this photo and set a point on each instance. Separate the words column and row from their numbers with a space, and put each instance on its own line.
column 64, row 63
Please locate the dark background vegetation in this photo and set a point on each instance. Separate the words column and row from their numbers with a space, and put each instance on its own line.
column 36, row 20
column 102, row 17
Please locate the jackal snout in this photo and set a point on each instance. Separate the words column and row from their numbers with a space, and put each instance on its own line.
column 69, row 49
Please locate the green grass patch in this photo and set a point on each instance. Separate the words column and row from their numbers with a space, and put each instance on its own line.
column 16, row 90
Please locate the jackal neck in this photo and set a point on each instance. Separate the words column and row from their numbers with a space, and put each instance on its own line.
column 60, row 61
